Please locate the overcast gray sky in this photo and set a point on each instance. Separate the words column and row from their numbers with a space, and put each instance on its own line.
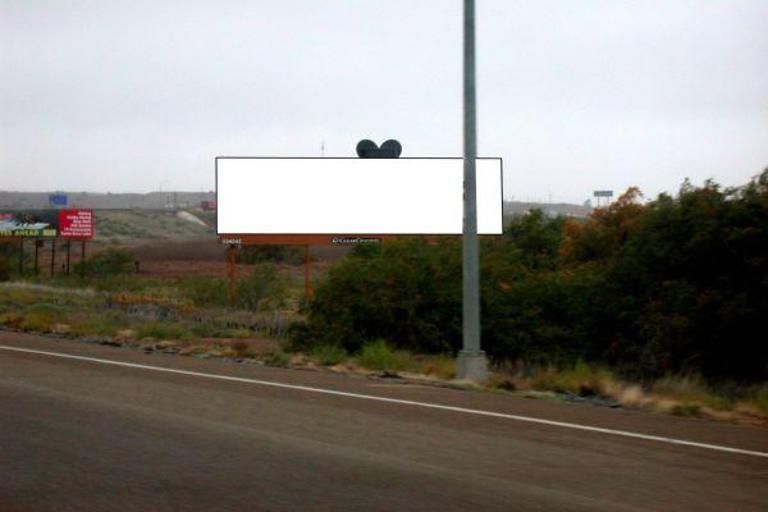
column 128, row 95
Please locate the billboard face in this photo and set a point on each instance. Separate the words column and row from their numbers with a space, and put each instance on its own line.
column 39, row 223
column 76, row 224
column 353, row 196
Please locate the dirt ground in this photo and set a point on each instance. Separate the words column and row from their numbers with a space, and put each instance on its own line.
column 179, row 268
column 171, row 259
column 207, row 257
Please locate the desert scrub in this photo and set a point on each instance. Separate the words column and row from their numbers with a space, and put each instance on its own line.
column 442, row 367
column 263, row 289
column 379, row 355
column 205, row 291
column 7, row 259
column 580, row 379
column 686, row 409
column 41, row 317
column 242, row 349
column 254, row 254
column 758, row 398
column 328, row 355
column 691, row 389
column 11, row 298
column 164, row 331
column 277, row 358
column 212, row 330
column 107, row 263
column 110, row 324
column 235, row 333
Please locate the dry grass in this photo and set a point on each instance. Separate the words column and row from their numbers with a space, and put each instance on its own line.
column 380, row 356
column 440, row 367
column 580, row 379
column 194, row 350
column 40, row 317
column 691, row 390
column 631, row 395
column 678, row 395
column 758, row 399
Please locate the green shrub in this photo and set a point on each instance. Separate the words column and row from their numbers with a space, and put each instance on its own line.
column 406, row 290
column 163, row 331
column 235, row 333
column 109, row 324
column 278, row 358
column 379, row 355
column 205, row 330
column 118, row 283
column 670, row 286
column 328, row 355
column 8, row 254
column 206, row 291
column 759, row 397
column 107, row 263
column 40, row 317
column 686, row 409
column 252, row 254
column 264, row 288
column 692, row 388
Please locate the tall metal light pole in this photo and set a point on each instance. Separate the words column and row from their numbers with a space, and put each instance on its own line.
column 472, row 363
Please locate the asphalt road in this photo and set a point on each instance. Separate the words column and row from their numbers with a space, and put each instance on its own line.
column 83, row 435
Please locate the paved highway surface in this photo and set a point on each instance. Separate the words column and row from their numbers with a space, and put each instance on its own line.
column 78, row 434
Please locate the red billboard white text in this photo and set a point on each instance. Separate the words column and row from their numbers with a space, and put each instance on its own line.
column 76, row 224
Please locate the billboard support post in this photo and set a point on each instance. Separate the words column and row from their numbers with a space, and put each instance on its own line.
column 82, row 257
column 69, row 245
column 307, row 272
column 53, row 256
column 37, row 250
column 231, row 267
column 471, row 364
column 21, row 255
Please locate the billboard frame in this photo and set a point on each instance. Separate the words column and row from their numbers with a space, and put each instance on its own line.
column 332, row 238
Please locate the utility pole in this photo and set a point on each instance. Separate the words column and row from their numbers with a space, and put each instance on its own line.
column 472, row 363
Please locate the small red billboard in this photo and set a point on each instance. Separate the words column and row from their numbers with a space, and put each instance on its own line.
column 76, row 224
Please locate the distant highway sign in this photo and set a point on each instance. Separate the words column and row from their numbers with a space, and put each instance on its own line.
column 57, row 199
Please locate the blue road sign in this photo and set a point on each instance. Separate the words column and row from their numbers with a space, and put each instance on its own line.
column 57, row 199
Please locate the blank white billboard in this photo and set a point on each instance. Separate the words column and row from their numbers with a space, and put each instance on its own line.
column 353, row 196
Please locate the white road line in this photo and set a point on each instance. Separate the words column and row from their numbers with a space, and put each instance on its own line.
column 477, row 412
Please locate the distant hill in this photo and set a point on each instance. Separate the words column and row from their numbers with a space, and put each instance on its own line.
column 510, row 208
column 135, row 225
column 191, row 200
column 151, row 200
